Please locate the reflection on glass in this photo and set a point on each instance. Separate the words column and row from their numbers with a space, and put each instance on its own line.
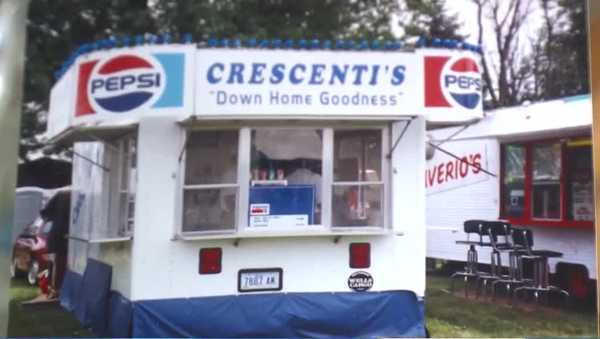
column 209, row 209
column 546, row 181
column 357, row 205
column 546, row 162
column 284, row 159
column 580, row 188
column 357, row 155
column 357, row 159
column 514, row 181
column 211, row 157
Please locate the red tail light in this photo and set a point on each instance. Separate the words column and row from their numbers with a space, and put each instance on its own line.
column 360, row 255
column 210, row 260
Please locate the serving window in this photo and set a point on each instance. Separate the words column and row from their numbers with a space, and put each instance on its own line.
column 548, row 183
column 283, row 179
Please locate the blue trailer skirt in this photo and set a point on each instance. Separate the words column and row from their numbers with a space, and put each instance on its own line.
column 283, row 315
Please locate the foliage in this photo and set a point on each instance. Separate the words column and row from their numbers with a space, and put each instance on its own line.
column 429, row 18
column 559, row 61
column 54, row 29
column 323, row 19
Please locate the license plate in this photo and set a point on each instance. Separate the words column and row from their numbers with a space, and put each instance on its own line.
column 253, row 280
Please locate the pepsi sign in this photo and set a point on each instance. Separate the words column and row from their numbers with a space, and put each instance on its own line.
column 452, row 82
column 129, row 82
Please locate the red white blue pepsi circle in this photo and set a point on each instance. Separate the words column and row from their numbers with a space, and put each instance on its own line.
column 461, row 82
column 124, row 83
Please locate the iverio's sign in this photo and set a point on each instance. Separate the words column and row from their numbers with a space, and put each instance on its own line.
column 306, row 83
column 445, row 172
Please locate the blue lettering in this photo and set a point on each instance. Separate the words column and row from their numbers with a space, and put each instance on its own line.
column 316, row 77
column 277, row 73
column 358, row 71
column 398, row 75
column 449, row 79
column 125, row 81
column 211, row 76
column 112, row 84
column 146, row 80
column 235, row 74
column 374, row 75
column 97, row 83
column 294, row 78
column 257, row 76
column 337, row 72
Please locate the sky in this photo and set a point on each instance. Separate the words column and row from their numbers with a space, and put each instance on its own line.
column 467, row 14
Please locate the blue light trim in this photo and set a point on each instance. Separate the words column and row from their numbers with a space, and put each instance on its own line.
column 187, row 38
column 364, row 44
column 312, row 44
column 251, row 43
column 276, row 43
column 289, row 43
column 153, row 39
column 125, row 41
column 315, row 43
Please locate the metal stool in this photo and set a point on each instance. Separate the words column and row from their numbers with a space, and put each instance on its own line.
column 540, row 284
column 494, row 230
column 515, row 276
column 471, row 267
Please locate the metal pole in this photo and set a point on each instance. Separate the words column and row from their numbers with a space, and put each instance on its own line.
column 13, row 16
column 594, row 57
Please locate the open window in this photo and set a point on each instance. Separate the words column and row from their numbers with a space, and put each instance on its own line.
column 283, row 179
column 285, row 186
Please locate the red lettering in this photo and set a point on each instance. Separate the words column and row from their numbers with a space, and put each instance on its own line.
column 449, row 170
column 430, row 177
column 476, row 163
column 464, row 167
column 440, row 173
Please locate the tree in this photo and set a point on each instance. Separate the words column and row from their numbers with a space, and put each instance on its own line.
column 505, row 67
column 560, row 61
column 429, row 18
column 55, row 28
column 322, row 19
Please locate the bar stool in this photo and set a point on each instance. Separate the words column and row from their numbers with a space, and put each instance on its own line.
column 540, row 284
column 471, row 267
column 515, row 276
column 495, row 230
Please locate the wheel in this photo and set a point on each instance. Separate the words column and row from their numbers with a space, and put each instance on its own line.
column 34, row 269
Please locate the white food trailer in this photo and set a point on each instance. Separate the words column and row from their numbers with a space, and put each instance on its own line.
column 540, row 177
column 252, row 191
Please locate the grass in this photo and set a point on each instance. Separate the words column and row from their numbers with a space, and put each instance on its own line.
column 39, row 321
column 451, row 315
column 448, row 315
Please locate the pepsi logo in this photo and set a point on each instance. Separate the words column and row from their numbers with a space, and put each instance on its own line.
column 124, row 83
column 461, row 82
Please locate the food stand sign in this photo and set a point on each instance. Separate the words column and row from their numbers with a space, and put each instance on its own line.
column 307, row 83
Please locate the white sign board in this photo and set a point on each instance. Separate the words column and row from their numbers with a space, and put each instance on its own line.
column 307, row 83
column 445, row 172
